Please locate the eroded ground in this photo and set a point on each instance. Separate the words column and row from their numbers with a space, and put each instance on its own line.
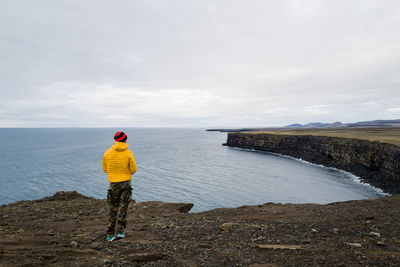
column 69, row 230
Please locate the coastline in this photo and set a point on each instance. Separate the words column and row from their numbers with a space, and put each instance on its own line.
column 69, row 229
column 376, row 163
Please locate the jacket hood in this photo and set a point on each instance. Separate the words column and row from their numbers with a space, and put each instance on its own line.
column 120, row 146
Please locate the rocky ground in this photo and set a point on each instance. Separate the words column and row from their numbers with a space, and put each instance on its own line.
column 68, row 229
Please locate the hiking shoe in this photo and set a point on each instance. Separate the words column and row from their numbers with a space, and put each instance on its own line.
column 110, row 238
column 120, row 235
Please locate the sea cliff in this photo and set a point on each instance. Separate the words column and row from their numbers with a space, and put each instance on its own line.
column 375, row 162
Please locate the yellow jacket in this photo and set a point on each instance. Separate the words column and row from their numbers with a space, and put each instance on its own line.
column 119, row 163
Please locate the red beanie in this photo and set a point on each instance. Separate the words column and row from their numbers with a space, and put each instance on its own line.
column 120, row 137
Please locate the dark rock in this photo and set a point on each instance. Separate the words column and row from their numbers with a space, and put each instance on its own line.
column 145, row 256
column 53, row 242
column 185, row 207
column 64, row 195
column 380, row 244
column 47, row 258
column 108, row 261
column 204, row 245
column 95, row 245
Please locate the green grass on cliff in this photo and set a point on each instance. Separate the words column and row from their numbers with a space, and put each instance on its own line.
column 385, row 134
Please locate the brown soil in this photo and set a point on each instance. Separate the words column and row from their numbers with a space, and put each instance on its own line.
column 68, row 229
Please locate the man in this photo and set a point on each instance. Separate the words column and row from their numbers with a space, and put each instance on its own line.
column 119, row 164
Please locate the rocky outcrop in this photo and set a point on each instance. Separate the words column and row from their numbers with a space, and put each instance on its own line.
column 376, row 163
column 68, row 229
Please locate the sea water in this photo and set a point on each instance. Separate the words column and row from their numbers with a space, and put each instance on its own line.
column 174, row 164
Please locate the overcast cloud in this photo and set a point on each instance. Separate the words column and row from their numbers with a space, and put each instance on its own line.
column 206, row 63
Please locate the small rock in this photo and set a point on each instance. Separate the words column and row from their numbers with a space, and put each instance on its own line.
column 108, row 261
column 146, row 256
column 226, row 226
column 48, row 258
column 50, row 232
column 53, row 242
column 354, row 245
column 380, row 244
column 204, row 245
column 95, row 245
column 374, row 234
column 74, row 244
column 272, row 246
column 189, row 263
column 185, row 207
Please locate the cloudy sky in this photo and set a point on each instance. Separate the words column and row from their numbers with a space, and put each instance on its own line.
column 205, row 63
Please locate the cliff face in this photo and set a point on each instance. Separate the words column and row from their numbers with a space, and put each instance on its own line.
column 376, row 163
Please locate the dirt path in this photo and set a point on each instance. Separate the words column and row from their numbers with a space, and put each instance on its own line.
column 68, row 229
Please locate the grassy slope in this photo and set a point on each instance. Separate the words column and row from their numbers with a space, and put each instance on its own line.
column 385, row 134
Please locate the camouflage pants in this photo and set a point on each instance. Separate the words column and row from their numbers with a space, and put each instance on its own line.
column 118, row 198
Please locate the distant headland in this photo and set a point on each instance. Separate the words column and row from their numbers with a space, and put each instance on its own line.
column 361, row 124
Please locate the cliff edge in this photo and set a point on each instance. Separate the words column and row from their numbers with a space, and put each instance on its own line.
column 68, row 229
column 374, row 162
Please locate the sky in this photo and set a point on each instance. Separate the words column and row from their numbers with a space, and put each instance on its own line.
column 198, row 63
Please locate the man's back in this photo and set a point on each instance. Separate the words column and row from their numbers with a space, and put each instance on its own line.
column 119, row 163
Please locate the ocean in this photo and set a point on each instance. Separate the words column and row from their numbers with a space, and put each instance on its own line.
column 174, row 165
